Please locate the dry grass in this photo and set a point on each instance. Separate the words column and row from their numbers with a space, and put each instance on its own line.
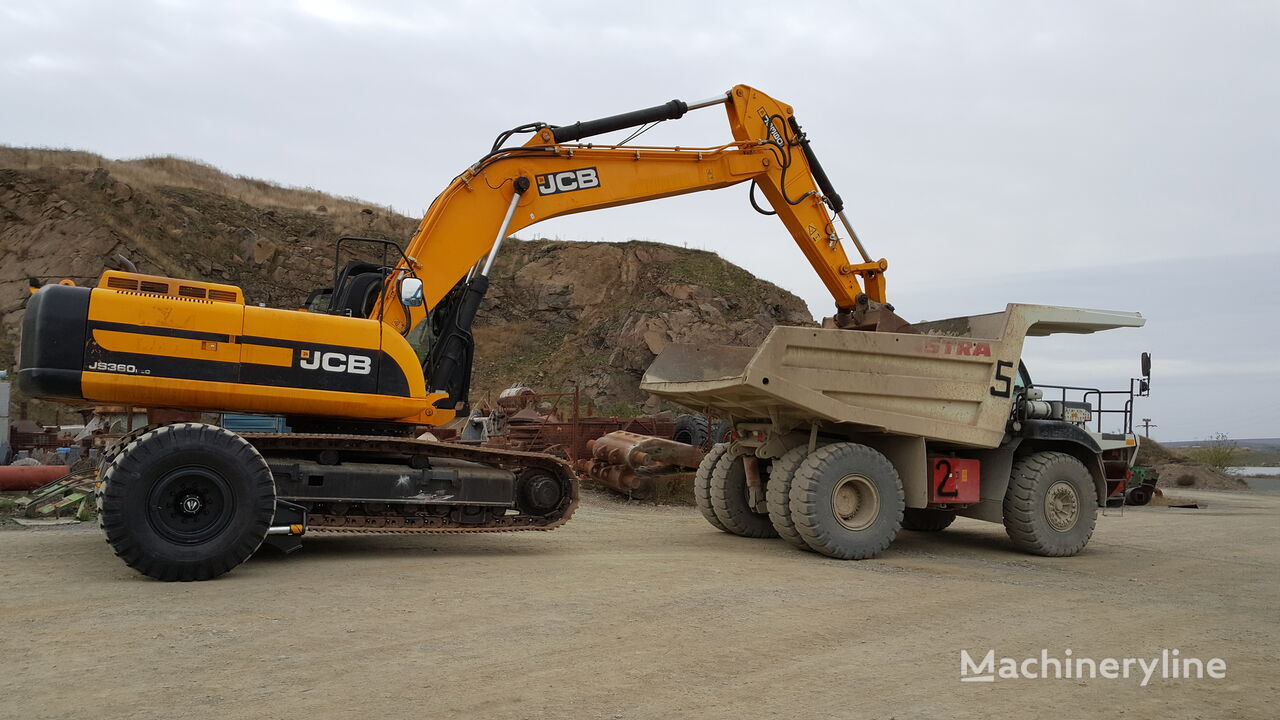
column 170, row 171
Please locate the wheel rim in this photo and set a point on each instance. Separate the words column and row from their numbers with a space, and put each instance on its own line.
column 190, row 505
column 855, row 502
column 1062, row 506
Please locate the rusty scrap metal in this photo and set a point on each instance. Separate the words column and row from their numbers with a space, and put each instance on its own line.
column 616, row 457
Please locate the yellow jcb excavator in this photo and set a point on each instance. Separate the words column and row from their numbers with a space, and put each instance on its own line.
column 387, row 349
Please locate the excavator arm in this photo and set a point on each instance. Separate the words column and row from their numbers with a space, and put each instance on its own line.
column 488, row 202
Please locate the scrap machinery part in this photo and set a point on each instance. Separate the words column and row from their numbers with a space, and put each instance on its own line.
column 617, row 456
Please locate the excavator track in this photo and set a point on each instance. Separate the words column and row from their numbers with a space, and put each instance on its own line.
column 412, row 518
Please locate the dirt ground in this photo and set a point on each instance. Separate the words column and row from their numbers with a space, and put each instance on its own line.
column 640, row 611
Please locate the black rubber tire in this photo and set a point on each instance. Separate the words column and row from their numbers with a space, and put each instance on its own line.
column 141, row 524
column 1140, row 495
column 720, row 433
column 729, row 499
column 702, row 485
column 813, row 508
column 778, row 495
column 927, row 519
column 1025, row 504
column 691, row 430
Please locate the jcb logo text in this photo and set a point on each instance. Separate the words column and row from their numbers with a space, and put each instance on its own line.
column 567, row 181
column 335, row 362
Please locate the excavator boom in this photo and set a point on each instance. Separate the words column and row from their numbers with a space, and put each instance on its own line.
column 463, row 224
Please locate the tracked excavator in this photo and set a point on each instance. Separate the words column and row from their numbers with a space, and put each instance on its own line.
column 386, row 351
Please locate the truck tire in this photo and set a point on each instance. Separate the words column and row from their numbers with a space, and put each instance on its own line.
column 847, row 501
column 720, row 432
column 702, row 484
column 186, row 502
column 730, row 501
column 1049, row 508
column 691, row 430
column 1140, row 495
column 927, row 519
column 778, row 495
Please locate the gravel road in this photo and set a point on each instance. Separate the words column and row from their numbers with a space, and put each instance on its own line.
column 639, row 612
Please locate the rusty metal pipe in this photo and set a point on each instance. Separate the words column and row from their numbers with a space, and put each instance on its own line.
column 30, row 477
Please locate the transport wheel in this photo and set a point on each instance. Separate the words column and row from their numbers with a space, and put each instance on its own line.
column 1050, row 507
column 702, row 484
column 731, row 501
column 847, row 501
column 186, row 502
column 1140, row 495
column 691, row 430
column 720, row 432
column 926, row 519
column 109, row 455
column 778, row 495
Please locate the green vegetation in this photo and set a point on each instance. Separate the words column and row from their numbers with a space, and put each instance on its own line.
column 698, row 267
column 1220, row 452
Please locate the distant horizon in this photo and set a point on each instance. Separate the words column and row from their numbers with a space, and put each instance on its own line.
column 1275, row 441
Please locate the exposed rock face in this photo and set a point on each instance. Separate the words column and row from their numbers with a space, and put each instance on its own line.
column 594, row 314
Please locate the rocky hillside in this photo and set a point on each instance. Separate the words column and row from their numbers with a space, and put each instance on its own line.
column 596, row 314
column 559, row 313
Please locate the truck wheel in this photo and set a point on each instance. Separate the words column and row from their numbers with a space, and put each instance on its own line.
column 1140, row 495
column 927, row 519
column 702, row 484
column 847, row 501
column 730, row 500
column 186, row 502
column 720, row 432
column 1049, row 508
column 691, row 430
column 778, row 495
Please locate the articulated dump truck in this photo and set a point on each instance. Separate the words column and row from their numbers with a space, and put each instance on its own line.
column 842, row 438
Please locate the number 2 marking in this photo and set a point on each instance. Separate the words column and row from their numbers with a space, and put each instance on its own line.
column 942, row 489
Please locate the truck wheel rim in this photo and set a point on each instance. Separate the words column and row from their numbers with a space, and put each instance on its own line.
column 855, row 502
column 1062, row 506
column 190, row 505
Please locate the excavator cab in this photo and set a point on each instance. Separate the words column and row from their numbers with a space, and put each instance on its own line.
column 358, row 285
column 356, row 290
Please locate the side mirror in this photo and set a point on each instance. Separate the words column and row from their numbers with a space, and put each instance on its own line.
column 411, row 291
column 1146, row 364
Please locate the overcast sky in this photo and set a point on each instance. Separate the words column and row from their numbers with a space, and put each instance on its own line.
column 1120, row 155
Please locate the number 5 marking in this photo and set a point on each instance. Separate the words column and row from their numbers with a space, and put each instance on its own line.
column 1001, row 377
